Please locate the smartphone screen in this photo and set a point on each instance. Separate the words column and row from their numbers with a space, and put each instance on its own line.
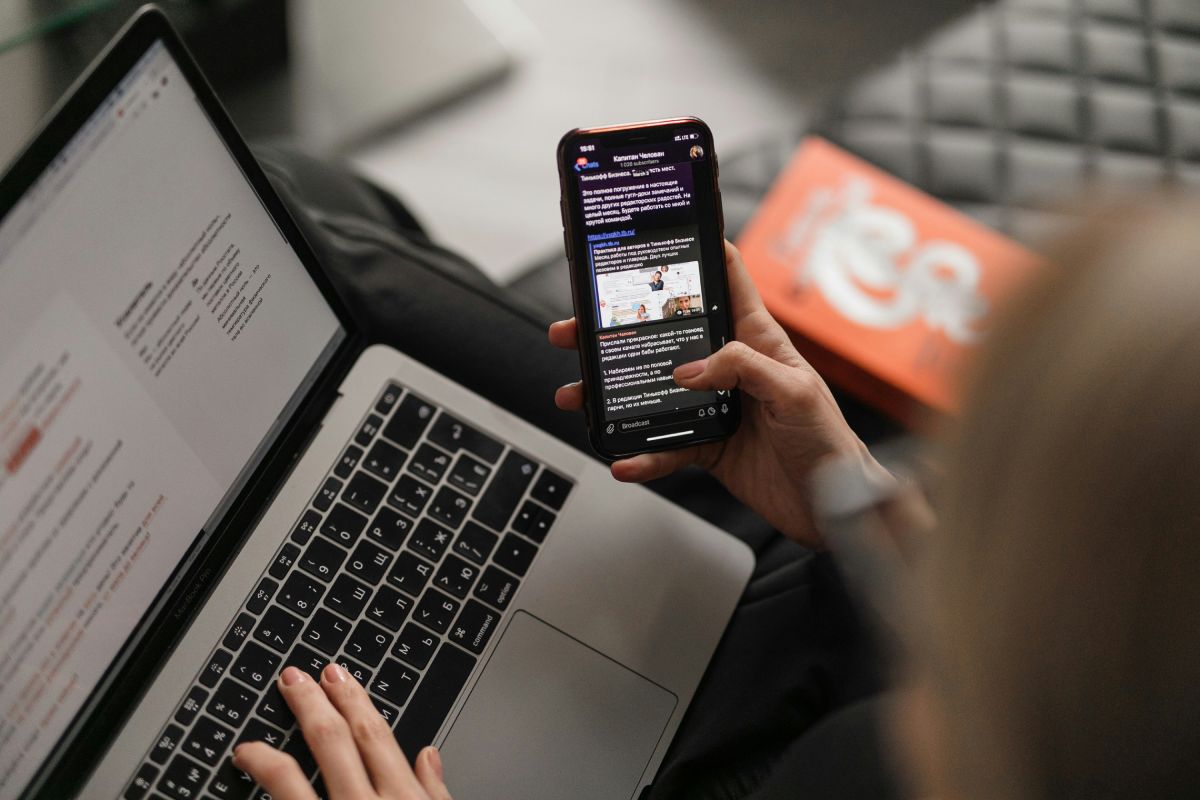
column 641, row 212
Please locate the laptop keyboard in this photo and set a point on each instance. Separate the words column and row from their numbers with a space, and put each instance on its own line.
column 400, row 570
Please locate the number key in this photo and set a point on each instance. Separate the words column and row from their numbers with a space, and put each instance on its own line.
column 183, row 779
column 255, row 665
column 231, row 702
column 208, row 741
column 300, row 593
column 322, row 559
column 278, row 629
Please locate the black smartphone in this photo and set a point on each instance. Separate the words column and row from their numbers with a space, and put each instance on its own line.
column 644, row 235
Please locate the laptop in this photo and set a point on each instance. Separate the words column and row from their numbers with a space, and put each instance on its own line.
column 206, row 475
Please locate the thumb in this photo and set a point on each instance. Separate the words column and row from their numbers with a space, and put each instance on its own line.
column 739, row 366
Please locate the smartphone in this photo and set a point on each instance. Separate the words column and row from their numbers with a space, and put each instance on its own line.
column 644, row 236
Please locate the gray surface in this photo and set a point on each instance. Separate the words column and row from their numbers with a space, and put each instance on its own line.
column 552, row 718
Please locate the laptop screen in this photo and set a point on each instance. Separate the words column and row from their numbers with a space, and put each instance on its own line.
column 156, row 328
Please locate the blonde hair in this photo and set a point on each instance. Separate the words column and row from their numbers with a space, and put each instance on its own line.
column 1063, row 586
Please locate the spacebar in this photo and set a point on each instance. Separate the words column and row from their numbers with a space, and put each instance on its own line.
column 431, row 703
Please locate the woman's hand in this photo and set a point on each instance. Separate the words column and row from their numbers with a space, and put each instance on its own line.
column 352, row 744
column 790, row 420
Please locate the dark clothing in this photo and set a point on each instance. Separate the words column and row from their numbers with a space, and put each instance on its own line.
column 656, row 286
column 785, row 704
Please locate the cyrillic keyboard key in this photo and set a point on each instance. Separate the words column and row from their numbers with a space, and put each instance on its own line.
column 429, row 463
column 475, row 542
column 307, row 660
column 326, row 632
column 389, row 608
column 343, row 525
column 368, row 643
column 230, row 783
column 394, row 682
column 409, row 421
column 208, row 741
column 390, row 528
column 515, row 554
column 474, row 626
column 409, row 495
column 297, row 748
column 274, row 709
column 496, row 506
column 384, row 461
column 496, row 587
column 431, row 702
column 389, row 712
column 436, row 611
column 369, row 562
column 364, row 493
column 300, row 594
column 456, row 576
column 410, row 573
column 430, row 539
column 551, row 489
column 449, row 507
column 453, row 435
column 469, row 474
column 356, row 670
column 258, row 731
column 415, row 645
column 347, row 596
column 183, row 779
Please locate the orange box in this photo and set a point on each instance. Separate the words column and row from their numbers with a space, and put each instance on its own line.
column 884, row 289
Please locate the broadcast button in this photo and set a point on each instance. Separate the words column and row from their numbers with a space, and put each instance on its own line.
column 634, row 424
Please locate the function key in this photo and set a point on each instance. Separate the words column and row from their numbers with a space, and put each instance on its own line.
column 436, row 611
column 449, row 507
column 551, row 489
column 322, row 559
column 430, row 539
column 454, row 435
column 409, row 422
column 142, row 782
column 256, row 665
column 306, row 527
column 183, row 779
column 166, row 744
column 410, row 573
column 283, row 561
column 384, row 460
column 348, row 462
column 497, row 588
column 469, row 474
column 390, row 528
column 207, row 741
column 387, row 400
column 191, row 705
column 498, row 503
column 262, row 595
column 231, row 703
column 409, row 495
column 364, row 493
column 343, row 525
column 347, row 596
column 515, row 554
column 475, row 542
column 368, row 430
column 474, row 626
column 327, row 494
column 215, row 668
column 300, row 594
column 429, row 463
column 456, row 576
column 238, row 632
column 415, row 646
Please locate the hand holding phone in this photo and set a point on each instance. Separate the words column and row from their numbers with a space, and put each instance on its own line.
column 643, row 232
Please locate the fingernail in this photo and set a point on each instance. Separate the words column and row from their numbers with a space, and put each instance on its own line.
column 435, row 761
column 690, row 370
column 291, row 676
column 334, row 673
column 236, row 753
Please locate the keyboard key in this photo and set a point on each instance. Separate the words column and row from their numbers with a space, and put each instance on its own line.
column 389, row 712
column 541, row 526
column 322, row 559
column 475, row 542
column 274, row 709
column 515, row 554
column 449, row 507
column 410, row 573
column 278, row 629
column 283, row 561
column 469, row 474
column 431, row 702
column 533, row 521
column 368, row 643
column 231, row 702
column 215, row 668
column 258, row 731
column 409, row 421
column 262, row 595
column 343, row 525
column 395, row 682
column 256, row 665
column 191, row 706
column 496, row 587
column 348, row 461
column 436, row 611
column 326, row 632
column 167, row 743
column 238, row 632
column 415, row 646
column 347, row 596
column 356, row 670
column 300, row 594
column 306, row 527
column 409, row 495
column 307, row 660
column 430, row 539
column 551, row 489
column 369, row 562
column 498, row 503
column 389, row 608
column 297, row 748
column 183, row 779
column 368, row 430
column 364, row 493
column 429, row 463
column 456, row 576
column 207, row 741
column 327, row 494
column 453, row 435
column 389, row 528
column 474, row 626
column 387, row 400
column 384, row 461
column 230, row 783
column 142, row 782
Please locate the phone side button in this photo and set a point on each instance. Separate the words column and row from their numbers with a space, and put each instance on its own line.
column 567, row 244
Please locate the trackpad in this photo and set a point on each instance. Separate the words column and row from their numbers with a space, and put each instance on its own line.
column 553, row 718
